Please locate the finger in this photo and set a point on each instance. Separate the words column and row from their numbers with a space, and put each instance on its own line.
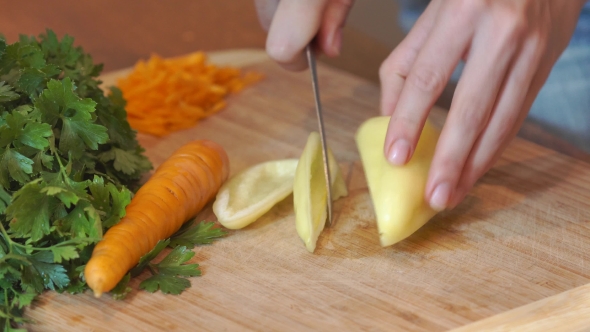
column 440, row 54
column 515, row 99
column 330, row 33
column 266, row 10
column 294, row 25
column 396, row 67
column 492, row 50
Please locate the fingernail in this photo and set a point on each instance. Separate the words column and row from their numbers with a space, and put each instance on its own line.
column 337, row 42
column 440, row 197
column 399, row 152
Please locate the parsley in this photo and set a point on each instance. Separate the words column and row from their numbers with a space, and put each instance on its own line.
column 191, row 235
column 170, row 274
column 68, row 163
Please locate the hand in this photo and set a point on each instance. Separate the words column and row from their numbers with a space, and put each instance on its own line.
column 509, row 48
column 293, row 24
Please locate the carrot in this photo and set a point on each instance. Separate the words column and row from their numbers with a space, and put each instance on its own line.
column 166, row 95
column 177, row 191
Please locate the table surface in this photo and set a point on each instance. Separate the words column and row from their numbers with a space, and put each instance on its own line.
column 513, row 255
column 212, row 25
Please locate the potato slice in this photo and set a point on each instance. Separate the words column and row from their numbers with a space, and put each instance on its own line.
column 310, row 197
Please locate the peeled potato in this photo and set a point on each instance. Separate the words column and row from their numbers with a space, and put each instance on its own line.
column 397, row 192
column 310, row 195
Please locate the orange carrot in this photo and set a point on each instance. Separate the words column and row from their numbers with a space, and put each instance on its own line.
column 166, row 95
column 177, row 191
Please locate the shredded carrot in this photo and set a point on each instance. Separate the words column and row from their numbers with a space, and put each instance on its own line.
column 165, row 95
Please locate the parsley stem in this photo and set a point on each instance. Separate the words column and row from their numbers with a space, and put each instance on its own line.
column 152, row 269
column 61, row 244
column 6, row 237
column 62, row 169
column 104, row 175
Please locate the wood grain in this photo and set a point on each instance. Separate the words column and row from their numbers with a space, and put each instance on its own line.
column 567, row 311
column 522, row 235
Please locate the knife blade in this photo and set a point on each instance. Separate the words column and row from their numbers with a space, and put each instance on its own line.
column 318, row 107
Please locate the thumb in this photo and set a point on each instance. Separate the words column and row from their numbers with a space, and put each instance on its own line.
column 266, row 10
column 293, row 27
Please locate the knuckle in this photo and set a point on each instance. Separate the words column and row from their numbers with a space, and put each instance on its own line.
column 405, row 121
column 469, row 7
column 472, row 119
column 512, row 21
column 538, row 40
column 395, row 65
column 427, row 79
column 449, row 166
column 503, row 132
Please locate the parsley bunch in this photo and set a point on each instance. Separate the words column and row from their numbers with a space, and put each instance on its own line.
column 68, row 160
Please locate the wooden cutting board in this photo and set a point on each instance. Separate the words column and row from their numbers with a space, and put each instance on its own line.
column 521, row 236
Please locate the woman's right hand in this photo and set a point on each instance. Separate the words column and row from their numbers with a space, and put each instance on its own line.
column 293, row 24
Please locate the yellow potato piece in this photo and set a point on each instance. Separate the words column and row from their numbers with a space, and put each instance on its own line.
column 310, row 197
column 397, row 192
column 251, row 193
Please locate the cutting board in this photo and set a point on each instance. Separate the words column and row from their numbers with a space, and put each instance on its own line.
column 520, row 237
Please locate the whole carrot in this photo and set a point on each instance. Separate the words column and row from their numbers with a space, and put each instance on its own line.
column 177, row 191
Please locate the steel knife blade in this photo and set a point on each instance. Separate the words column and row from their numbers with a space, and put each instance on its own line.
column 318, row 105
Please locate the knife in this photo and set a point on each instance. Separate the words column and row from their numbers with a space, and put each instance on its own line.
column 318, row 107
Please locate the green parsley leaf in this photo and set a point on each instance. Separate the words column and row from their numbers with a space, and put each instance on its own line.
column 25, row 298
column 65, row 196
column 165, row 283
column 59, row 101
column 35, row 135
column 64, row 253
column 33, row 80
column 15, row 165
column 120, row 200
column 147, row 258
column 109, row 200
column 122, row 289
column 82, row 222
column 170, row 272
column 31, row 56
column 191, row 235
column 2, row 46
column 40, row 160
column 5, row 199
column 6, row 93
column 78, row 127
column 127, row 162
column 30, row 211
column 54, row 276
column 20, row 128
column 60, row 52
column 173, row 263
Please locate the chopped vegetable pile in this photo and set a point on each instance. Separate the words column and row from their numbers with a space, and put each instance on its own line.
column 68, row 162
column 165, row 95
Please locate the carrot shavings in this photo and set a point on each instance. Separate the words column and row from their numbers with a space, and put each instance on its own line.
column 166, row 95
